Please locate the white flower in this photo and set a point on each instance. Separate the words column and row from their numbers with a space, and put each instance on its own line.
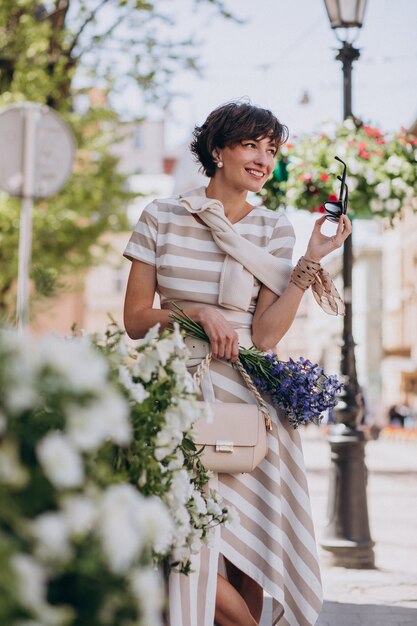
column 147, row 588
column 392, row 205
column 51, row 533
column 194, row 540
column 349, row 124
column 181, row 489
column 233, row 519
column 370, row 176
column 399, row 185
column 352, row 183
column 177, row 461
column 122, row 349
column 183, row 525
column 197, row 503
column 165, row 348
column 146, row 365
column 80, row 514
column 177, row 338
column 213, row 507
column 353, row 165
column 31, row 579
column 12, row 472
column 156, row 524
column 394, row 164
column 383, row 190
column 21, row 396
column 376, row 205
column 180, row 553
column 20, row 392
column 60, row 461
column 188, row 411
column 150, row 337
column 81, row 367
column 137, row 390
column 106, row 418
column 292, row 193
column 182, row 518
column 167, row 439
column 119, row 526
column 184, row 380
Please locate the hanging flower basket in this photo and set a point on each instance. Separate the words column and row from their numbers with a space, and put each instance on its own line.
column 382, row 171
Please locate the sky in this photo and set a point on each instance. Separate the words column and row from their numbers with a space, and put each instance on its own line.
column 285, row 48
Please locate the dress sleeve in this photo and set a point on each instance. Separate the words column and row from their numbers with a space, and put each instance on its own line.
column 142, row 243
column 281, row 245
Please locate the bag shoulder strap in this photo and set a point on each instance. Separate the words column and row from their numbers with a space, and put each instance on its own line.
column 205, row 365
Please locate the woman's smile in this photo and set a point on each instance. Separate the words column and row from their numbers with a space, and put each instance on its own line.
column 255, row 173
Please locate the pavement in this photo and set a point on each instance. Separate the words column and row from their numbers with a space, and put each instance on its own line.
column 387, row 594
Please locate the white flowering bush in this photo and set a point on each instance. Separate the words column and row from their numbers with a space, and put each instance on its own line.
column 75, row 546
column 162, row 459
column 381, row 171
column 99, row 482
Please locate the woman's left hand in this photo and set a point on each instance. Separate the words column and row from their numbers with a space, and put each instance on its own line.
column 320, row 245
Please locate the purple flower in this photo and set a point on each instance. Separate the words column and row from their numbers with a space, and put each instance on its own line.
column 300, row 387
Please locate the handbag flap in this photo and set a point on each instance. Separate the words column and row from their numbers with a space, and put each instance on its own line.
column 232, row 422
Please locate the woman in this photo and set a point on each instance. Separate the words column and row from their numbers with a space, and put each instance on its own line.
column 227, row 263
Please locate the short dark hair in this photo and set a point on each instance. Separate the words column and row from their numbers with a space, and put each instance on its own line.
column 228, row 125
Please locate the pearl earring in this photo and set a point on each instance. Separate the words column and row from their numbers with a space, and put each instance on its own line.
column 219, row 164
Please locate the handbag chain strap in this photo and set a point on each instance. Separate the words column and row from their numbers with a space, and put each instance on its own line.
column 205, row 365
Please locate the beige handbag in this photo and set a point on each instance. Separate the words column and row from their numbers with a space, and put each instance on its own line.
column 235, row 440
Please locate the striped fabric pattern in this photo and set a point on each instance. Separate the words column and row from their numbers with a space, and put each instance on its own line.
column 188, row 261
column 274, row 541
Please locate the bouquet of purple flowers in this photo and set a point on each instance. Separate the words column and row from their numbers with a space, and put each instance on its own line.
column 300, row 387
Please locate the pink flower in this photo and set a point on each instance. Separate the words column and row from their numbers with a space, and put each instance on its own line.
column 371, row 132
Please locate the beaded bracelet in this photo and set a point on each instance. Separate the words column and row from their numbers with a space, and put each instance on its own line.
column 304, row 273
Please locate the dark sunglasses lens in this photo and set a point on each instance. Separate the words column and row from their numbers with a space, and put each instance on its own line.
column 333, row 210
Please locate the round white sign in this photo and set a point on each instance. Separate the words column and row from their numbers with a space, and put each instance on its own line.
column 52, row 150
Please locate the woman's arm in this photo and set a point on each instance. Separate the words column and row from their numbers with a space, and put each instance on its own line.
column 274, row 315
column 140, row 316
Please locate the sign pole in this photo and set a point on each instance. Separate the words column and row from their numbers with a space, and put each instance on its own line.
column 36, row 159
column 25, row 235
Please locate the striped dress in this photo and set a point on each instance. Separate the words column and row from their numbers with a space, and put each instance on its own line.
column 274, row 541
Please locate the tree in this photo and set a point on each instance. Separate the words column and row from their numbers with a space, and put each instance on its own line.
column 53, row 53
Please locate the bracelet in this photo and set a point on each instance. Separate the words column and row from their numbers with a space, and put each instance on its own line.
column 304, row 273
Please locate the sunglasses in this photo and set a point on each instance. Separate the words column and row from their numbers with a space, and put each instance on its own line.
column 335, row 209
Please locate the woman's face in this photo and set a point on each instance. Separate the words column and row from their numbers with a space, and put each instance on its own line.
column 248, row 164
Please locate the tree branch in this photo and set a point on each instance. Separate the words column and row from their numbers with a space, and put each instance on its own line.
column 89, row 19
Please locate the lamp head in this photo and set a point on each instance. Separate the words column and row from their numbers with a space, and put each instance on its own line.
column 345, row 14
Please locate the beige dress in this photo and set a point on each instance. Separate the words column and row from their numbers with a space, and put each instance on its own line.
column 274, row 541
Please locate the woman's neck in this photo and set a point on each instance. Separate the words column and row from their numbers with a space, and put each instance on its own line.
column 234, row 201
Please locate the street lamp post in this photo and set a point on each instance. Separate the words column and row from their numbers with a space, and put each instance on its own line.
column 347, row 536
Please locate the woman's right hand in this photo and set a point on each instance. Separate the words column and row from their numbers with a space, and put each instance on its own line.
column 224, row 340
